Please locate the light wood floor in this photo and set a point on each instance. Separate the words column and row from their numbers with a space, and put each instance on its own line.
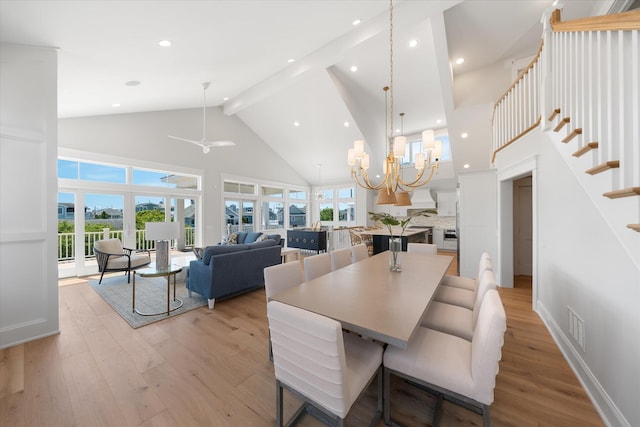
column 210, row 368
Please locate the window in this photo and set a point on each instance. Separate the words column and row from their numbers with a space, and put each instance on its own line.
column 272, row 215
column 84, row 171
column 163, row 179
column 415, row 146
column 298, row 194
column 272, row 192
column 239, row 188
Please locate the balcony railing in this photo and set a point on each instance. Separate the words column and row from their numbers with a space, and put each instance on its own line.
column 67, row 246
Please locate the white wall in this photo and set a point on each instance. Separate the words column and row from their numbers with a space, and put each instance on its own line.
column 477, row 220
column 581, row 265
column 143, row 136
column 28, row 225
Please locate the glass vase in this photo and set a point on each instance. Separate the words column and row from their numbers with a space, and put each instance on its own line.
column 395, row 251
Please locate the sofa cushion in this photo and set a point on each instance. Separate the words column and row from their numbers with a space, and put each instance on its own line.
column 275, row 237
column 242, row 235
column 252, row 237
column 221, row 249
column 262, row 244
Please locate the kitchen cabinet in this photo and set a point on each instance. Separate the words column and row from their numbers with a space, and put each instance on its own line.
column 438, row 237
column 447, row 204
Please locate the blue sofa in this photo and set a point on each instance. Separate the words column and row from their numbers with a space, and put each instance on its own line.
column 228, row 270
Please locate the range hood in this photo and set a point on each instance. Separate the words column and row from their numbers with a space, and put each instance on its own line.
column 421, row 199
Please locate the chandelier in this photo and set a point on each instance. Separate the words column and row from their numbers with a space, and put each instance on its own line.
column 318, row 195
column 393, row 189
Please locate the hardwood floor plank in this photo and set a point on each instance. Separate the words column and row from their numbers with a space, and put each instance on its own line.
column 47, row 401
column 135, row 399
column 11, row 370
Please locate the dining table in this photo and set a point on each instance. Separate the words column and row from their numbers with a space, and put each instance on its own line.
column 368, row 299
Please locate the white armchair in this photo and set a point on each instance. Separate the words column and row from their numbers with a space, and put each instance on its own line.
column 111, row 256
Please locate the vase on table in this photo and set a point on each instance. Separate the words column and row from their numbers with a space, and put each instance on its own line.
column 395, row 251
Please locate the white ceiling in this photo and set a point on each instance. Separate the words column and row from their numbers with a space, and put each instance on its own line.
column 242, row 48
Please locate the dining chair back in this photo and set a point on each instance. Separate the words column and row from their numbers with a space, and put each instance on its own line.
column 340, row 258
column 316, row 266
column 469, row 377
column 319, row 364
column 422, row 248
column 359, row 252
column 280, row 277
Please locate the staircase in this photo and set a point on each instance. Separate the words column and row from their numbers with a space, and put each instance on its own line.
column 583, row 90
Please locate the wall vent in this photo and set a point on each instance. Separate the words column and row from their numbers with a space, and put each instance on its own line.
column 576, row 328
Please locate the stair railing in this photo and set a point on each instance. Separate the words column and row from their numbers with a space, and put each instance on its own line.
column 586, row 77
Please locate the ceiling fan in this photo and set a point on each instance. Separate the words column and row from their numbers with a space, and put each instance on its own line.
column 206, row 145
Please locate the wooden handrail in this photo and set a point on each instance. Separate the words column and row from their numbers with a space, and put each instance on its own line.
column 526, row 131
column 520, row 76
column 620, row 21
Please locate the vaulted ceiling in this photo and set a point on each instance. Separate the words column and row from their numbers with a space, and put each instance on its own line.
column 243, row 48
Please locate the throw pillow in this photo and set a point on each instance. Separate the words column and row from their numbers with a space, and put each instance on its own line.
column 262, row 238
column 232, row 239
column 198, row 252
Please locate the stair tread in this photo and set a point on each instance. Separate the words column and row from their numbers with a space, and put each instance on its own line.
column 635, row 227
column 560, row 125
column 588, row 147
column 611, row 164
column 625, row 192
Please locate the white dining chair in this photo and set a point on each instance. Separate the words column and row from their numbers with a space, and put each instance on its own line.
column 340, row 258
column 316, row 266
column 455, row 369
column 319, row 364
column 359, row 252
column 467, row 282
column 279, row 278
column 456, row 320
column 422, row 248
column 464, row 294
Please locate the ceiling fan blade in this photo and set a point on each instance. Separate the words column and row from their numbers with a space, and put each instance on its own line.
column 220, row 144
column 186, row 140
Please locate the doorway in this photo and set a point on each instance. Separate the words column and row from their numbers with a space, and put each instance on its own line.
column 522, row 232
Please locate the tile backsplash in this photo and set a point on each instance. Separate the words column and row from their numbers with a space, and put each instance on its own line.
column 435, row 221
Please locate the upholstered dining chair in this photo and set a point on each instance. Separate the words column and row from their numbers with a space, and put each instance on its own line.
column 278, row 278
column 458, row 370
column 318, row 363
column 111, row 256
column 464, row 294
column 340, row 258
column 422, row 248
column 467, row 282
column 316, row 266
column 456, row 320
column 359, row 252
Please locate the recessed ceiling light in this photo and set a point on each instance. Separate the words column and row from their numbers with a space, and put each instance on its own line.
column 464, row 134
column 459, row 61
column 397, row 130
column 226, row 98
column 346, row 124
column 413, row 43
column 353, row 68
column 164, row 43
column 439, row 121
column 296, row 124
column 132, row 83
column 115, row 105
column 466, row 166
column 377, row 176
column 356, row 22
column 291, row 60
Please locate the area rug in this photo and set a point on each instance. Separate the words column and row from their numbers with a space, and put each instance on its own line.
column 151, row 297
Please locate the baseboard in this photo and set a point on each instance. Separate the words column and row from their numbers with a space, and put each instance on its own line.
column 607, row 409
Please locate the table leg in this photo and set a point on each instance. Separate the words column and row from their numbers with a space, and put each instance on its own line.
column 168, row 293
column 133, row 298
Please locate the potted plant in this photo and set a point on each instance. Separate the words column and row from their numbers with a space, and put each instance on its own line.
column 395, row 241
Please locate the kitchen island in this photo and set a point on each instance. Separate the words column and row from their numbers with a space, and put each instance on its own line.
column 381, row 236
